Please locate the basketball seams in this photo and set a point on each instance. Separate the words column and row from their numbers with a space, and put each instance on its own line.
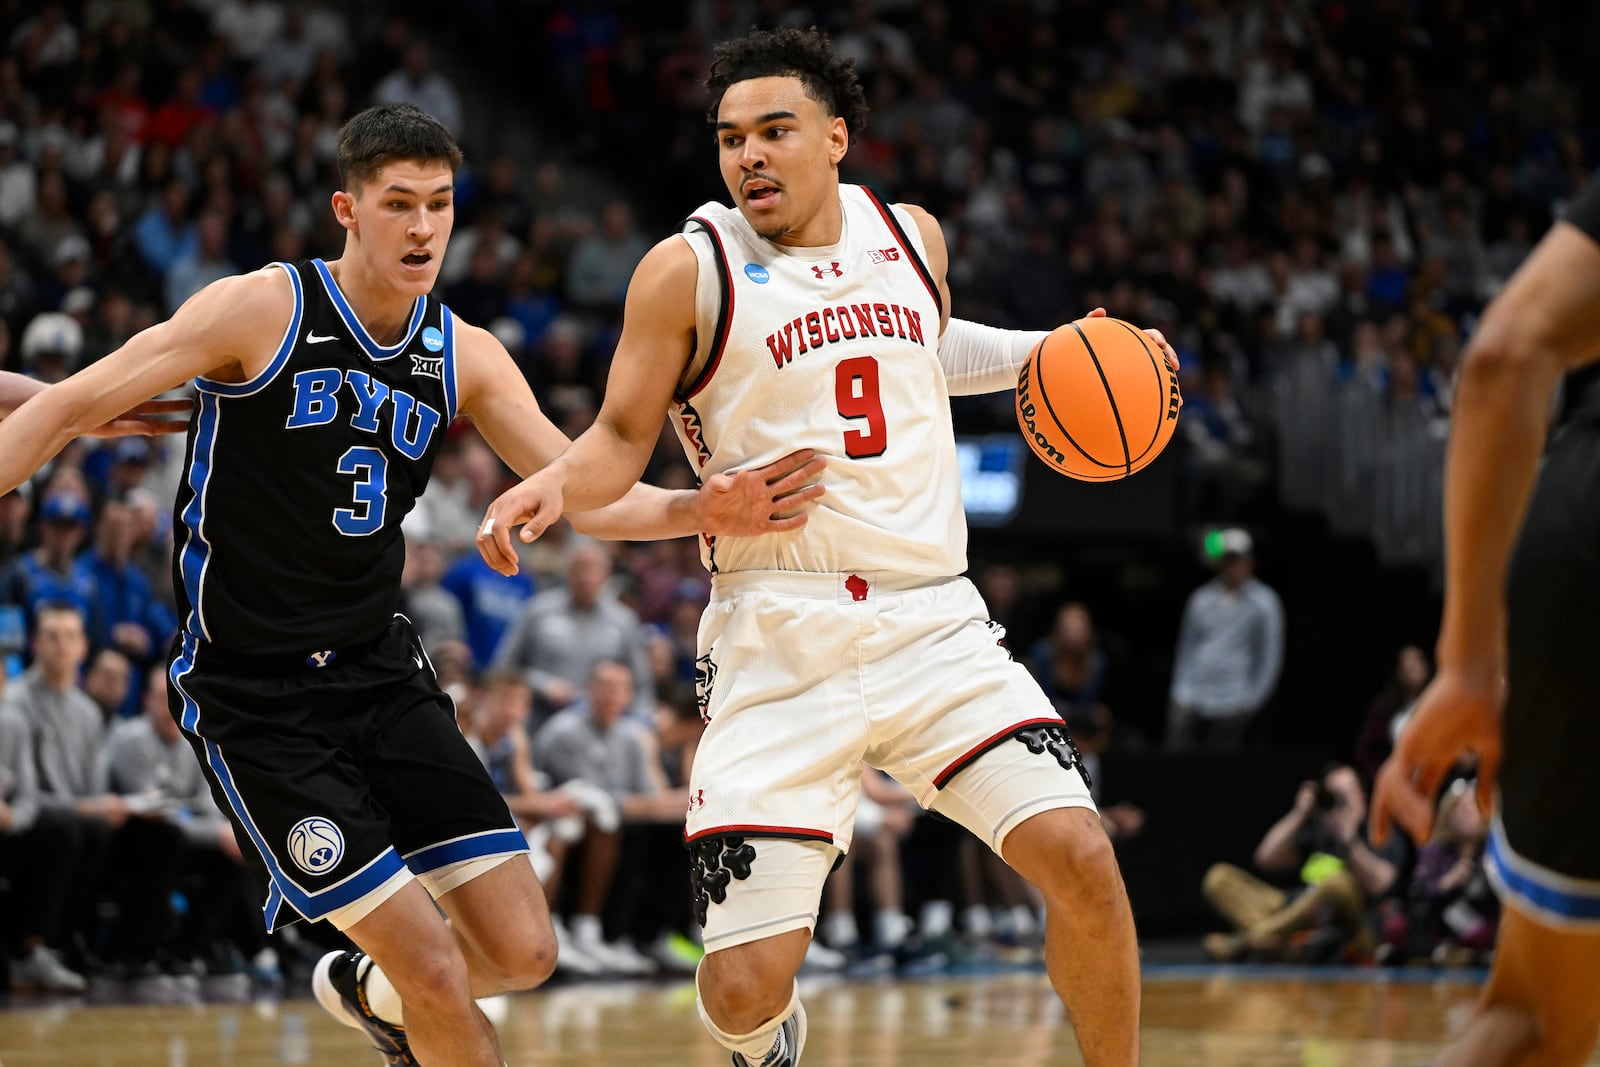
column 1045, row 427
column 1161, row 393
column 1044, row 396
column 1111, row 398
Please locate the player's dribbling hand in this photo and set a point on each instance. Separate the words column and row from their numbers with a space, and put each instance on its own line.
column 763, row 500
column 150, row 418
column 1456, row 713
column 1155, row 335
column 534, row 504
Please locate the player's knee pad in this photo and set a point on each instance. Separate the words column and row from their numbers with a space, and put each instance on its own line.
column 747, row 888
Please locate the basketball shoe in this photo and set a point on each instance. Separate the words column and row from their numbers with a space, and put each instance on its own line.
column 340, row 986
column 786, row 1051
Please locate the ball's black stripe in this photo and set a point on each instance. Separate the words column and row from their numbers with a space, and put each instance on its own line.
column 1127, row 460
column 1038, row 377
column 1157, row 363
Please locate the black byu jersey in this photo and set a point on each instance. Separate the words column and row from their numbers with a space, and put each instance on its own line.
column 287, row 525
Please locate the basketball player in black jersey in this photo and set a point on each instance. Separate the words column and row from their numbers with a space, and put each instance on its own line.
column 325, row 390
column 1516, row 683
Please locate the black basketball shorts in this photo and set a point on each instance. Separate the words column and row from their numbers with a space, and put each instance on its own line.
column 341, row 776
column 1544, row 850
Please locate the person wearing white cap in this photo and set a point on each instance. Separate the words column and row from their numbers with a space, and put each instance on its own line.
column 1230, row 651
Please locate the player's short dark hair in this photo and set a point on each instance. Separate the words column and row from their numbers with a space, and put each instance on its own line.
column 384, row 134
column 830, row 80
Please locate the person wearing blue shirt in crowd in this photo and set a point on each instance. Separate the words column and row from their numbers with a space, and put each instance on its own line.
column 490, row 602
column 51, row 573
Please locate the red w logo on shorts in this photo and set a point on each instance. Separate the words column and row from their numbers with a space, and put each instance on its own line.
column 858, row 587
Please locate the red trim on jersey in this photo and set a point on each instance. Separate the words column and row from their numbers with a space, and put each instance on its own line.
column 911, row 249
column 724, row 314
column 757, row 830
column 985, row 745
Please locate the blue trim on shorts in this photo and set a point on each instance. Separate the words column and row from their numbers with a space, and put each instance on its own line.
column 312, row 905
column 472, row 847
column 1547, row 894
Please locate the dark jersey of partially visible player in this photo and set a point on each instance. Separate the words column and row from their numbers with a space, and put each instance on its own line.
column 287, row 524
column 1580, row 397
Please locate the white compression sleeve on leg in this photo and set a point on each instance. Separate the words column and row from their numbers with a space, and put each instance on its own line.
column 984, row 359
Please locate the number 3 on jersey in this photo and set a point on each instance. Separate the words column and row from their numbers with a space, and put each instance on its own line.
column 855, row 386
column 370, row 468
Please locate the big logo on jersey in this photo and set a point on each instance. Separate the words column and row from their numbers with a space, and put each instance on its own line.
column 318, row 394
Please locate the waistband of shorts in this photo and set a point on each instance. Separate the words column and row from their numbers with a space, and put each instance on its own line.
column 209, row 656
column 842, row 585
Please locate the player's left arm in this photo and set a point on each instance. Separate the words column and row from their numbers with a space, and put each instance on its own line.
column 1544, row 323
column 496, row 397
column 979, row 358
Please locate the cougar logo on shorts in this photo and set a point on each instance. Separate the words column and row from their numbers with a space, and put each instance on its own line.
column 316, row 845
column 714, row 863
column 1056, row 741
column 705, row 676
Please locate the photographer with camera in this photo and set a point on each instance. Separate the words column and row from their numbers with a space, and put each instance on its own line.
column 1342, row 879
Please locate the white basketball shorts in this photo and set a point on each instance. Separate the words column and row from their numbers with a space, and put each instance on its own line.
column 802, row 677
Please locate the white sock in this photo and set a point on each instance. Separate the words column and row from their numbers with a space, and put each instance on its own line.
column 936, row 918
column 762, row 1043
column 382, row 997
column 839, row 929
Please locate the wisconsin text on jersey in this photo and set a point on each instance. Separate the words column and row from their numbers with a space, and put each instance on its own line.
column 844, row 322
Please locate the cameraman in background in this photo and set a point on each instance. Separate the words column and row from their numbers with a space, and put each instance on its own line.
column 1342, row 880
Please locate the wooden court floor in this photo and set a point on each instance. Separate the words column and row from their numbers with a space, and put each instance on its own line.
column 1192, row 1018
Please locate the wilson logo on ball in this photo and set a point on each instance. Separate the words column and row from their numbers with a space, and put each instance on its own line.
column 1096, row 400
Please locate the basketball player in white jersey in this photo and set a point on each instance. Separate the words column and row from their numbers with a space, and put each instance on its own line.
column 812, row 315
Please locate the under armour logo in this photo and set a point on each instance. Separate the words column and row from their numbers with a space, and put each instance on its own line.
column 697, row 799
column 857, row 586
column 833, row 270
column 321, row 659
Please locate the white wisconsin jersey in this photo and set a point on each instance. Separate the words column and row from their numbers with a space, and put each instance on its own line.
column 834, row 349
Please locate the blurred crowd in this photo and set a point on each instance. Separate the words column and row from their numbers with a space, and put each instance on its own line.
column 1313, row 201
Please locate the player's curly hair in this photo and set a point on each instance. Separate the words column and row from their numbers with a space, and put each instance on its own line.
column 830, row 80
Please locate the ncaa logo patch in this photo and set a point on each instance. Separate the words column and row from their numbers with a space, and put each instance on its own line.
column 757, row 273
column 315, row 845
column 432, row 339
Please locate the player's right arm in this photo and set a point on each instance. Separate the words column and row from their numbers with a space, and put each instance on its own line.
column 658, row 334
column 217, row 333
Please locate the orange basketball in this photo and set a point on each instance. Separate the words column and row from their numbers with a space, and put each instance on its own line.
column 1096, row 400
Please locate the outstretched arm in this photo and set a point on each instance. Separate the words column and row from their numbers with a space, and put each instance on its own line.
column 496, row 397
column 1544, row 322
column 216, row 333
column 979, row 358
column 150, row 417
